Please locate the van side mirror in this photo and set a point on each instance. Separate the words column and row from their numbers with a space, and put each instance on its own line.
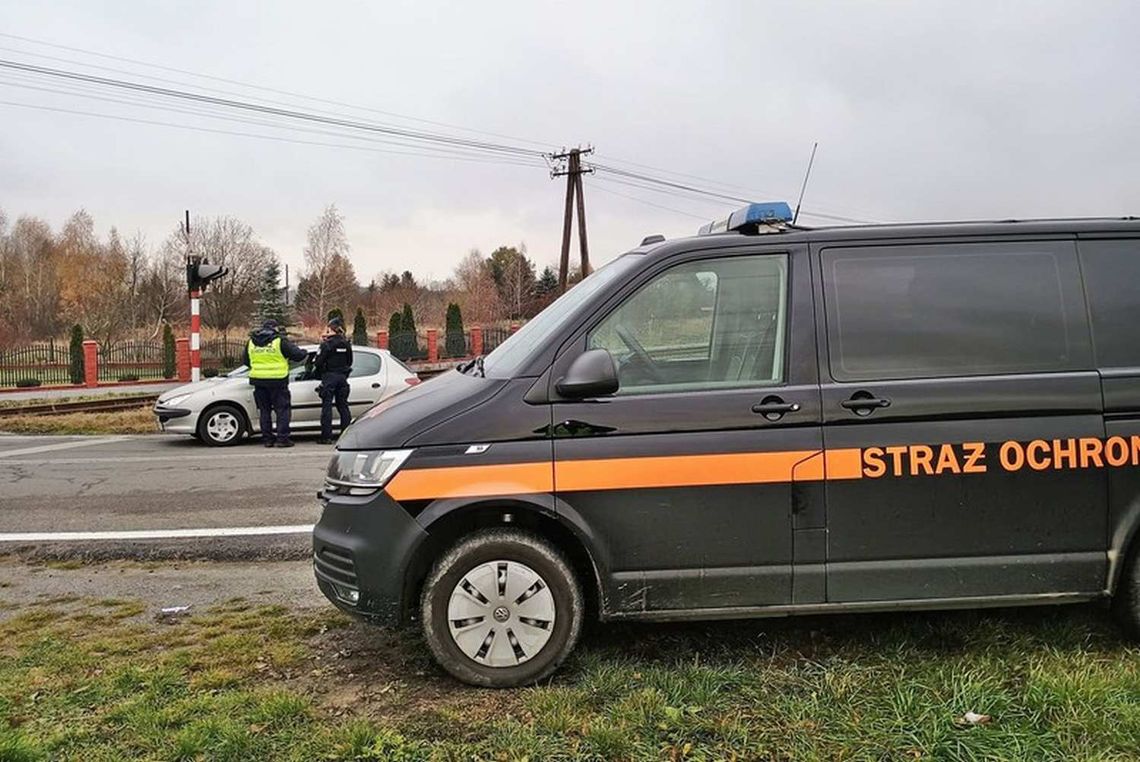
column 593, row 374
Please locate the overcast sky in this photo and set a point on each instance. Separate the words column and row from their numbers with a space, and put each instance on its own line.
column 923, row 110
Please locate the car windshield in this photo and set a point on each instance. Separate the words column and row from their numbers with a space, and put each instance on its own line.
column 509, row 356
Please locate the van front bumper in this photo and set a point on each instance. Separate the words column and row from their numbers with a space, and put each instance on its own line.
column 362, row 549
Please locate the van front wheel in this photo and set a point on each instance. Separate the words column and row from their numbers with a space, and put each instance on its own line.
column 502, row 608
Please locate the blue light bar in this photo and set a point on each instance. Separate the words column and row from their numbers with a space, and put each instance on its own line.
column 753, row 214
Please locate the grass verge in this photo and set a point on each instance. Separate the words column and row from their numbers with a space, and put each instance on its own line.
column 139, row 421
column 93, row 680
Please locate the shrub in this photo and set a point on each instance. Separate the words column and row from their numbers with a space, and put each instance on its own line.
column 26, row 383
column 209, row 372
column 129, row 377
column 360, row 329
column 168, row 353
column 455, row 342
column 75, row 351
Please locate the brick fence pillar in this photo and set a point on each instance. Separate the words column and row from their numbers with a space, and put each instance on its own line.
column 182, row 359
column 476, row 341
column 433, row 345
column 90, row 363
column 382, row 339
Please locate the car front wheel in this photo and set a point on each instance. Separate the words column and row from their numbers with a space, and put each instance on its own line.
column 501, row 609
column 221, row 426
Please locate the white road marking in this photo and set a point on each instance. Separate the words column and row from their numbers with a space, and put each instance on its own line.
column 155, row 534
column 113, row 459
column 60, row 446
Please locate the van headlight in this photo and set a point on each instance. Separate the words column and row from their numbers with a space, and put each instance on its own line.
column 362, row 472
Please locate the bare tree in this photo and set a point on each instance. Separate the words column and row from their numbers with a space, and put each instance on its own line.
column 327, row 244
column 228, row 242
column 478, row 297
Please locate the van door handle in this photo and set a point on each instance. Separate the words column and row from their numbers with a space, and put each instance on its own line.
column 773, row 408
column 864, row 403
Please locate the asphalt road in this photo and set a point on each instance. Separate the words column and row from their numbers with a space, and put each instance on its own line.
column 129, row 483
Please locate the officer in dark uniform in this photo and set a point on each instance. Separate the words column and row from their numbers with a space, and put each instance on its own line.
column 334, row 363
column 267, row 355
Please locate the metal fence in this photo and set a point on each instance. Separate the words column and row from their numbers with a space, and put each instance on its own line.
column 36, row 364
column 455, row 345
column 493, row 337
column 222, row 355
column 408, row 346
column 134, row 361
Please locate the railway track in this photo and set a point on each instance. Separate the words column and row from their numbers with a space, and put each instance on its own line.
column 64, row 407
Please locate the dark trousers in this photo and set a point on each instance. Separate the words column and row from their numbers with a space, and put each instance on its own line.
column 334, row 390
column 273, row 397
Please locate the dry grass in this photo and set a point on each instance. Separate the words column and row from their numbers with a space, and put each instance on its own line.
column 138, row 421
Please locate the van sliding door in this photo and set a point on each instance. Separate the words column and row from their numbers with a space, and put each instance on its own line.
column 962, row 422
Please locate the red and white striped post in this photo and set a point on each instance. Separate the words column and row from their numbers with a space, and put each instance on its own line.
column 195, row 338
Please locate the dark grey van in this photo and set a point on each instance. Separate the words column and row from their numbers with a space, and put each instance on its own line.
column 768, row 420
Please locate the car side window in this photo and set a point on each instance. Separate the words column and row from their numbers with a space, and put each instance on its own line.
column 364, row 364
column 711, row 324
column 302, row 370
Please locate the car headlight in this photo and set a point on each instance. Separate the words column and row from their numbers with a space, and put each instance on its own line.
column 362, row 472
column 176, row 399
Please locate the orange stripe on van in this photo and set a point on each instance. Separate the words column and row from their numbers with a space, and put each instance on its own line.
column 844, row 464
column 626, row 473
column 472, row 481
column 677, row 470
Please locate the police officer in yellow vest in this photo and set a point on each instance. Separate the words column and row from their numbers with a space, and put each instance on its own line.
column 267, row 355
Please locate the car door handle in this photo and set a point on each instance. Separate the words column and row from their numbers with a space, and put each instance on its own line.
column 377, row 385
column 864, row 403
column 773, row 408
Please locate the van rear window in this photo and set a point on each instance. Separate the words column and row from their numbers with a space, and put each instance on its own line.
column 898, row 312
column 1112, row 278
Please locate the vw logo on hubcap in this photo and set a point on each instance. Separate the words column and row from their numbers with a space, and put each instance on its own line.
column 501, row 614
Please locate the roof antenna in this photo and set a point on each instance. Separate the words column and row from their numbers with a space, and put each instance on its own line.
column 803, row 188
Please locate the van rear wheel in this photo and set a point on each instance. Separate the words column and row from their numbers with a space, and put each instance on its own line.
column 502, row 608
column 1126, row 602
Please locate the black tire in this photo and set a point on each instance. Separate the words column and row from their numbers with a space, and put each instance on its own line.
column 1126, row 602
column 207, row 432
column 465, row 557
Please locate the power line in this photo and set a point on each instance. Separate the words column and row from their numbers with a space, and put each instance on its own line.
column 440, row 150
column 271, row 110
column 598, row 185
column 251, row 86
column 276, row 138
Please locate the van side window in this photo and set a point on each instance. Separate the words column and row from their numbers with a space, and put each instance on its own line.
column 901, row 312
column 713, row 324
column 1112, row 281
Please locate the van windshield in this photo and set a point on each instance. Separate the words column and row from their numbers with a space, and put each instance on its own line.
column 506, row 359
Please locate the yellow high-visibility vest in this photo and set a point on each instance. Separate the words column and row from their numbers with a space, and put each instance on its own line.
column 267, row 362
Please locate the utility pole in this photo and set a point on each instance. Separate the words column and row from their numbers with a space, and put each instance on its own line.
column 572, row 170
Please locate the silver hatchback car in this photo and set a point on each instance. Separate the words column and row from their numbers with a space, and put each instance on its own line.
column 220, row 411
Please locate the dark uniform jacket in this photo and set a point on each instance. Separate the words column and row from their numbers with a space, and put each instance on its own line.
column 335, row 356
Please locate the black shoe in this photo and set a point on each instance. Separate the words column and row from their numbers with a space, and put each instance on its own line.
column 286, row 443
column 325, row 441
column 267, row 443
